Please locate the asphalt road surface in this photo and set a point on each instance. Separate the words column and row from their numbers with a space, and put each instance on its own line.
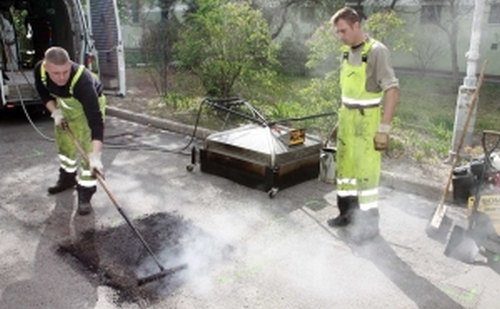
column 244, row 250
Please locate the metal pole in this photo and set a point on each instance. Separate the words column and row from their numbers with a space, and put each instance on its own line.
column 466, row 90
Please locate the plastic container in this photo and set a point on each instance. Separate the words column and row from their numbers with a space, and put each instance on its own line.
column 327, row 165
column 463, row 184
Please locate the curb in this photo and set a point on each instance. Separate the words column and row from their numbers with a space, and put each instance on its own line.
column 432, row 190
column 404, row 183
column 160, row 123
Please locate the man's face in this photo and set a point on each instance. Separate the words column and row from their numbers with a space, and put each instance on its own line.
column 59, row 74
column 345, row 32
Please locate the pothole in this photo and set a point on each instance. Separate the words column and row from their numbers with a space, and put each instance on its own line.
column 117, row 258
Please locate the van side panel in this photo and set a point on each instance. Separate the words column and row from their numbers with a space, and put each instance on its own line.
column 78, row 29
column 106, row 33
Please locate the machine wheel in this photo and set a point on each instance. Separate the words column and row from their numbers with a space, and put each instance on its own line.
column 272, row 193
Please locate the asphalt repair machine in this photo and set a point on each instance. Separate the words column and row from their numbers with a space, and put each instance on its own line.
column 265, row 155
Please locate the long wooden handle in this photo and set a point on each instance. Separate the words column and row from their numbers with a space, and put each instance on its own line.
column 97, row 174
column 466, row 125
column 330, row 134
column 438, row 215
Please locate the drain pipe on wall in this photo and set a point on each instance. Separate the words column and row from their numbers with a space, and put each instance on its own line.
column 466, row 90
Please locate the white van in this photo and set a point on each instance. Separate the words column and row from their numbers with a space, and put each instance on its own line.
column 88, row 29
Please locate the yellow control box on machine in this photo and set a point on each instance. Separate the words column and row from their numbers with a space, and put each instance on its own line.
column 490, row 206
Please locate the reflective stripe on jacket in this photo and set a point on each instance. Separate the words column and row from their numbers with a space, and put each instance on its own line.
column 353, row 80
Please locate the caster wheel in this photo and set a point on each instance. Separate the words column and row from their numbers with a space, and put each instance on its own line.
column 272, row 193
column 190, row 167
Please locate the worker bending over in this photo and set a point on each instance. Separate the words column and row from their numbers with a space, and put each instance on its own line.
column 75, row 99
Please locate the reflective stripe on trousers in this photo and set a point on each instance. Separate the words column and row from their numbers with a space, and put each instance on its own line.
column 67, row 151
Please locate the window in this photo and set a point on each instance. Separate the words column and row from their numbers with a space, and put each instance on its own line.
column 135, row 11
column 494, row 17
column 307, row 14
column 130, row 11
column 430, row 13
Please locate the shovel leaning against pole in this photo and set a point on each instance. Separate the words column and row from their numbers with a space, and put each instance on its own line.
column 435, row 229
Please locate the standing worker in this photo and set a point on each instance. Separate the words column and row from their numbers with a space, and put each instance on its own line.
column 366, row 78
column 75, row 100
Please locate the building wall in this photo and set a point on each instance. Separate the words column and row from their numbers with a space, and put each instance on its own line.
column 148, row 17
column 431, row 40
column 131, row 35
column 490, row 42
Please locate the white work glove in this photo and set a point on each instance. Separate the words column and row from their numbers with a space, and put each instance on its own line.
column 58, row 117
column 95, row 163
column 381, row 139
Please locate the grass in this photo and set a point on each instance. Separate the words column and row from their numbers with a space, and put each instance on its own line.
column 427, row 111
column 423, row 122
column 425, row 102
column 430, row 102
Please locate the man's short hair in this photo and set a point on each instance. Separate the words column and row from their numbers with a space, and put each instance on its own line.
column 56, row 55
column 348, row 14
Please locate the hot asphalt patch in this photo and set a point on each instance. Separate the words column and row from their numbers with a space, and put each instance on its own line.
column 116, row 257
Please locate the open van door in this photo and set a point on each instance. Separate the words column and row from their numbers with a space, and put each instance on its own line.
column 107, row 46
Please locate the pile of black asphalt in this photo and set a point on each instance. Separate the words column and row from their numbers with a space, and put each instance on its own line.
column 116, row 257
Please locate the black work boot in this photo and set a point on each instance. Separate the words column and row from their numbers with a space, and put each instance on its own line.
column 66, row 181
column 346, row 207
column 365, row 225
column 84, row 196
